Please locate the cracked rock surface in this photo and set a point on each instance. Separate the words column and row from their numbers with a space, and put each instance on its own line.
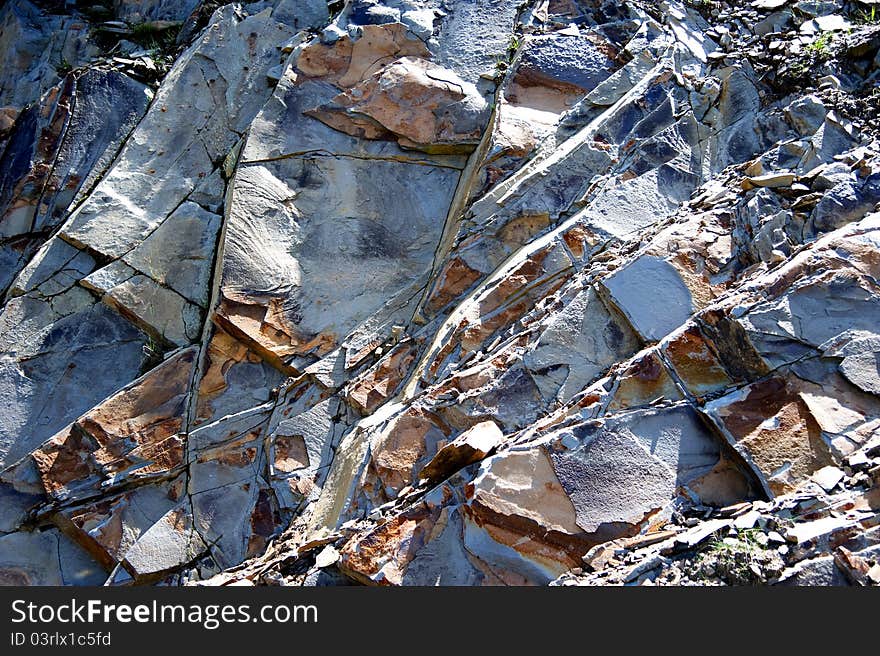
column 439, row 292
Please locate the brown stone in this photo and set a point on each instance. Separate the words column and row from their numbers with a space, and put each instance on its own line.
column 535, row 89
column 401, row 446
column 420, row 104
column 774, row 428
column 381, row 381
column 519, row 231
column 380, row 557
column 224, row 352
column 8, row 115
column 134, row 433
column 266, row 330
column 290, row 453
column 471, row 446
column 695, row 363
column 453, row 279
column 643, row 382
column 728, row 339
column 347, row 62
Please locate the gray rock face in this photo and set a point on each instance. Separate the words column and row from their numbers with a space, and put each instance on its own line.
column 807, row 114
column 578, row 346
column 106, row 107
column 56, row 152
column 820, row 571
column 179, row 253
column 862, row 370
column 46, row 558
column 844, row 203
column 55, row 351
column 650, row 292
column 315, row 287
column 648, row 453
column 184, row 136
column 33, row 46
column 437, row 293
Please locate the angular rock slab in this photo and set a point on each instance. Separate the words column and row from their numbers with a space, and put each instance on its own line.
column 199, row 113
column 532, row 511
column 234, row 507
column 423, row 105
column 55, row 153
column 583, row 339
column 551, row 74
column 297, row 280
column 652, row 295
column 235, row 379
column 108, row 527
column 471, row 446
column 107, row 105
column 33, row 46
column 133, row 435
column 785, row 428
column 53, row 351
column 45, row 558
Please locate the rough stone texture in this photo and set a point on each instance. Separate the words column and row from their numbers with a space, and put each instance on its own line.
column 55, row 153
column 133, row 434
column 423, row 105
column 650, row 292
column 471, row 446
column 438, row 292
column 197, row 115
column 33, row 45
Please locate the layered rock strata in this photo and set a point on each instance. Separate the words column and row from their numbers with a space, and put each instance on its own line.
column 421, row 292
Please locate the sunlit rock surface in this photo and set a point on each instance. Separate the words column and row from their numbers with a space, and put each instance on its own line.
column 419, row 292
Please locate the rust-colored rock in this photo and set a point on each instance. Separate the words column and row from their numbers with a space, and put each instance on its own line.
column 471, row 446
column 380, row 382
column 347, row 62
column 695, row 363
column 420, row 104
column 644, row 382
column 133, row 435
column 771, row 424
column 397, row 451
column 267, row 330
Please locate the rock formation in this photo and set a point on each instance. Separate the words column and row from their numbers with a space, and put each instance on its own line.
column 456, row 292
